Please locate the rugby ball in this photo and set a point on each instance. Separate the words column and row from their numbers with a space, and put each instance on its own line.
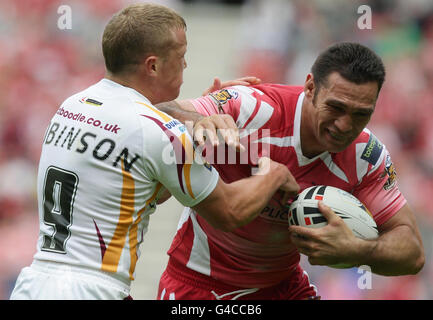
column 304, row 212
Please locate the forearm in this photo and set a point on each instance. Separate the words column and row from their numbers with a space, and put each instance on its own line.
column 233, row 205
column 253, row 194
column 396, row 252
column 181, row 111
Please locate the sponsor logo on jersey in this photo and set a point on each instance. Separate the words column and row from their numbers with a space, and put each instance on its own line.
column 207, row 165
column 183, row 152
column 223, row 96
column 390, row 172
column 277, row 214
column 372, row 150
column 79, row 117
column 90, row 101
column 172, row 124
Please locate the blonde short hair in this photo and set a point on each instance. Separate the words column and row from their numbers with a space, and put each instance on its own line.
column 137, row 31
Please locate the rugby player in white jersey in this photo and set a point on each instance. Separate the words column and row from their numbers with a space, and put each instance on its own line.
column 109, row 156
column 318, row 131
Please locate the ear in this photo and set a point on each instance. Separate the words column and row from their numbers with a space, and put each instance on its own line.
column 309, row 86
column 150, row 65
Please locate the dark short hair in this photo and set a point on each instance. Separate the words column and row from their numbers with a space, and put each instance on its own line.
column 136, row 31
column 353, row 61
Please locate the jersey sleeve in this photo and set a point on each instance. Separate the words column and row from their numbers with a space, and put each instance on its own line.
column 227, row 101
column 172, row 160
column 378, row 189
column 249, row 107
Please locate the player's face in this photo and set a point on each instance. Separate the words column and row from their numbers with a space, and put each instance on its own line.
column 341, row 110
column 171, row 75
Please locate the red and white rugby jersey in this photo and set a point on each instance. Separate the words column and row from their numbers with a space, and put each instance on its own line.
column 261, row 254
column 107, row 156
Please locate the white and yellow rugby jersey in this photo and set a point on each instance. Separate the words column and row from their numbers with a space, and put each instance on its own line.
column 107, row 156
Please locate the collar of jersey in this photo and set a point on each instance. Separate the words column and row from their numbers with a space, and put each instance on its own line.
column 302, row 160
column 116, row 85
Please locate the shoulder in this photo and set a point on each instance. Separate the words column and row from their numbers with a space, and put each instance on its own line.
column 282, row 94
column 283, row 98
column 277, row 92
column 259, row 97
column 369, row 148
column 160, row 129
column 365, row 155
column 104, row 98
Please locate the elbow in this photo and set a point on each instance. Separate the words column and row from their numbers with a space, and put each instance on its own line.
column 415, row 263
column 419, row 263
column 419, row 260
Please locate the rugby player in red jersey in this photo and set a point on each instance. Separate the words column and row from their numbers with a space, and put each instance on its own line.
column 319, row 131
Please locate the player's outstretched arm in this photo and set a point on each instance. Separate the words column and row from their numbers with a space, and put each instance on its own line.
column 233, row 205
column 201, row 127
column 184, row 110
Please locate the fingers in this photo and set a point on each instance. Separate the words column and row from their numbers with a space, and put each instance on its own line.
column 303, row 233
column 291, row 188
column 210, row 127
column 216, row 83
column 244, row 81
column 287, row 195
column 227, row 129
column 264, row 164
column 203, row 129
column 207, row 132
column 215, row 86
column 232, row 137
column 327, row 212
column 301, row 238
column 251, row 80
column 199, row 136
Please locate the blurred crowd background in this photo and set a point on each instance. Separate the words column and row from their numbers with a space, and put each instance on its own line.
column 276, row 40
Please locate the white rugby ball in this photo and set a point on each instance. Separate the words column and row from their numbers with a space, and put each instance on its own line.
column 304, row 212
